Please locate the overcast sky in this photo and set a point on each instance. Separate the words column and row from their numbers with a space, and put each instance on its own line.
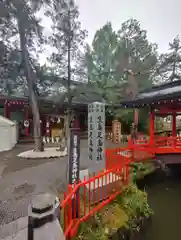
column 161, row 18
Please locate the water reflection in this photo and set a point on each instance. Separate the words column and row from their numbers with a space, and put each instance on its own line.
column 165, row 198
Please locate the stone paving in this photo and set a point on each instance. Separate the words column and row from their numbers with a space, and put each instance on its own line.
column 22, row 179
column 9, row 230
column 17, row 188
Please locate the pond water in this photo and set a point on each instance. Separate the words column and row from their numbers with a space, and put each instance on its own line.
column 164, row 195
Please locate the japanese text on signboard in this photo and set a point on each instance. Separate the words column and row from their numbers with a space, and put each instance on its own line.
column 91, row 132
column 96, row 131
column 74, row 160
column 99, row 140
column 74, row 157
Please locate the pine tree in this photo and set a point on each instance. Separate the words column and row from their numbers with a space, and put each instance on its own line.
column 67, row 40
column 170, row 63
column 122, row 63
column 20, row 26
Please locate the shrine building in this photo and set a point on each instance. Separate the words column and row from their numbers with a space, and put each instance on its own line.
column 163, row 101
column 52, row 115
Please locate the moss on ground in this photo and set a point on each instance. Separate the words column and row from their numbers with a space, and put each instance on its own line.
column 121, row 213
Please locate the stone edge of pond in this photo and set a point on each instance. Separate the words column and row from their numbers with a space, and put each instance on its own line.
column 129, row 234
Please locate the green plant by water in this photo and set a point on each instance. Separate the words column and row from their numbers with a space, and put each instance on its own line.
column 123, row 212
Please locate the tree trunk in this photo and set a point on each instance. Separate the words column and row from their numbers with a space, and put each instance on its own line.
column 68, row 122
column 69, row 82
column 31, row 91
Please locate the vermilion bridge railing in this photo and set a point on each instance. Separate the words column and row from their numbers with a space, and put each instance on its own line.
column 160, row 145
column 162, row 141
column 87, row 197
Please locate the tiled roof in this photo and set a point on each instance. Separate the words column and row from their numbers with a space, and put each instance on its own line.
column 83, row 98
column 171, row 90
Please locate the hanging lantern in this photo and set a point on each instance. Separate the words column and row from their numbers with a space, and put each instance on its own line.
column 59, row 120
column 26, row 123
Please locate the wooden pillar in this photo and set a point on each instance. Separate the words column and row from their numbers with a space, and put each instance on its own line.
column 152, row 126
column 6, row 109
column 136, row 116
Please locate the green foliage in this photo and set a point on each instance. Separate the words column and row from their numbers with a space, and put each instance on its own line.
column 144, row 121
column 140, row 170
column 107, row 63
column 19, row 22
column 138, row 166
column 169, row 64
column 135, row 204
column 124, row 115
column 123, row 212
column 24, row 14
column 112, row 56
column 21, row 31
column 91, row 231
column 139, row 54
column 68, row 36
column 10, row 77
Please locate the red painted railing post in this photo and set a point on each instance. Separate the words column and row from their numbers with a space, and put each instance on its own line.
column 70, row 210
